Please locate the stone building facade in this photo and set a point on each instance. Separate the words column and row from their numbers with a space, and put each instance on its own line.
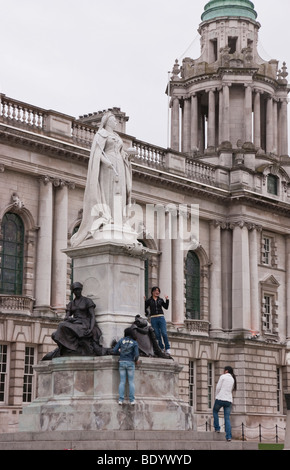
column 227, row 169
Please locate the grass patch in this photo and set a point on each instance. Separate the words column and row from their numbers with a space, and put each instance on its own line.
column 271, row 446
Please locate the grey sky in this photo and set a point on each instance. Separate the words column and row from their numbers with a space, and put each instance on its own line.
column 78, row 57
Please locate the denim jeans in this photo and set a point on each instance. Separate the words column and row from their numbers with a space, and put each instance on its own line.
column 227, row 406
column 127, row 369
column 159, row 326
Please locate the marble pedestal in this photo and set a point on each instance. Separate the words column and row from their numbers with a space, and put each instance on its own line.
column 112, row 273
column 81, row 393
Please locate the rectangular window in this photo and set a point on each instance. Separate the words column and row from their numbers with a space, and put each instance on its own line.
column 232, row 43
column 266, row 249
column 272, row 185
column 3, row 371
column 279, row 390
column 28, row 375
column 213, row 50
column 268, row 311
column 209, row 384
column 191, row 384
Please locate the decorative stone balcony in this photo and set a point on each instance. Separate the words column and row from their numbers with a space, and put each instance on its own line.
column 198, row 327
column 16, row 304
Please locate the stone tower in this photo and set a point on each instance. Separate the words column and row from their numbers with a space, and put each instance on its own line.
column 229, row 96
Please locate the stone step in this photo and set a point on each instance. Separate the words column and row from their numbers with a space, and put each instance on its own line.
column 121, row 440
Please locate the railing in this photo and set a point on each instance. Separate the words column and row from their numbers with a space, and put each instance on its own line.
column 23, row 115
column 197, row 326
column 200, row 171
column 148, row 154
column 258, row 433
column 15, row 303
column 83, row 133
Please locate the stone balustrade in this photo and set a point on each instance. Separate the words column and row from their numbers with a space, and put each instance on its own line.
column 15, row 304
column 200, row 327
column 20, row 114
column 47, row 122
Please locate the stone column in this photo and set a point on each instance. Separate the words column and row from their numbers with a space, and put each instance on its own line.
column 211, row 119
column 226, row 258
column 44, row 247
column 59, row 261
column 165, row 268
column 221, row 106
column 215, row 287
column 178, row 280
column 186, row 138
column 269, row 125
column 257, row 119
column 226, row 113
column 283, row 125
column 175, row 124
column 288, row 289
column 254, row 279
column 194, row 121
column 241, row 303
column 275, row 127
column 248, row 114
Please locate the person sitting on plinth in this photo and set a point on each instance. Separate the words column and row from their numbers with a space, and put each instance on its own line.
column 78, row 333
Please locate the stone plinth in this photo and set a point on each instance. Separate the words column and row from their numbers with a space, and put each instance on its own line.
column 81, row 393
column 112, row 274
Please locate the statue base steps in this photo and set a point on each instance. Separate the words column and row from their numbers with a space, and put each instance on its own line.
column 81, row 393
column 173, row 440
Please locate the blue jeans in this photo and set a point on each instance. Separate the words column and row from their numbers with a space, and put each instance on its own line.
column 159, row 326
column 127, row 369
column 227, row 406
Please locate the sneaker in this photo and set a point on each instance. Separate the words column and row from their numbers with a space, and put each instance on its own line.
column 168, row 351
column 120, row 402
column 132, row 402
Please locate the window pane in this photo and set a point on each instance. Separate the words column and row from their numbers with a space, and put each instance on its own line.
column 28, row 374
column 11, row 259
column 272, row 184
column 3, row 370
column 192, row 286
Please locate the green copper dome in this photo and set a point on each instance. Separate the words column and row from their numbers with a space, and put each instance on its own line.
column 218, row 8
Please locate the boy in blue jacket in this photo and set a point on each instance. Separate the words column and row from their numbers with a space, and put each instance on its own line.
column 129, row 355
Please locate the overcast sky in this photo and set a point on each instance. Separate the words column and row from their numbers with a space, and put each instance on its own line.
column 81, row 56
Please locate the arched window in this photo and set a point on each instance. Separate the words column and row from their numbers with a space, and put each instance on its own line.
column 11, row 254
column 192, row 286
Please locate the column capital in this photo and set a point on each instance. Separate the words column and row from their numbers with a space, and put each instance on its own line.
column 44, row 179
column 56, row 182
column 173, row 100
column 217, row 223
column 245, row 224
column 213, row 90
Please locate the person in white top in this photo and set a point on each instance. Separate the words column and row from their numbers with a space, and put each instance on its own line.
column 224, row 398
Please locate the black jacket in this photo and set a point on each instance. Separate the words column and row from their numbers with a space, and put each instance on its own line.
column 156, row 306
